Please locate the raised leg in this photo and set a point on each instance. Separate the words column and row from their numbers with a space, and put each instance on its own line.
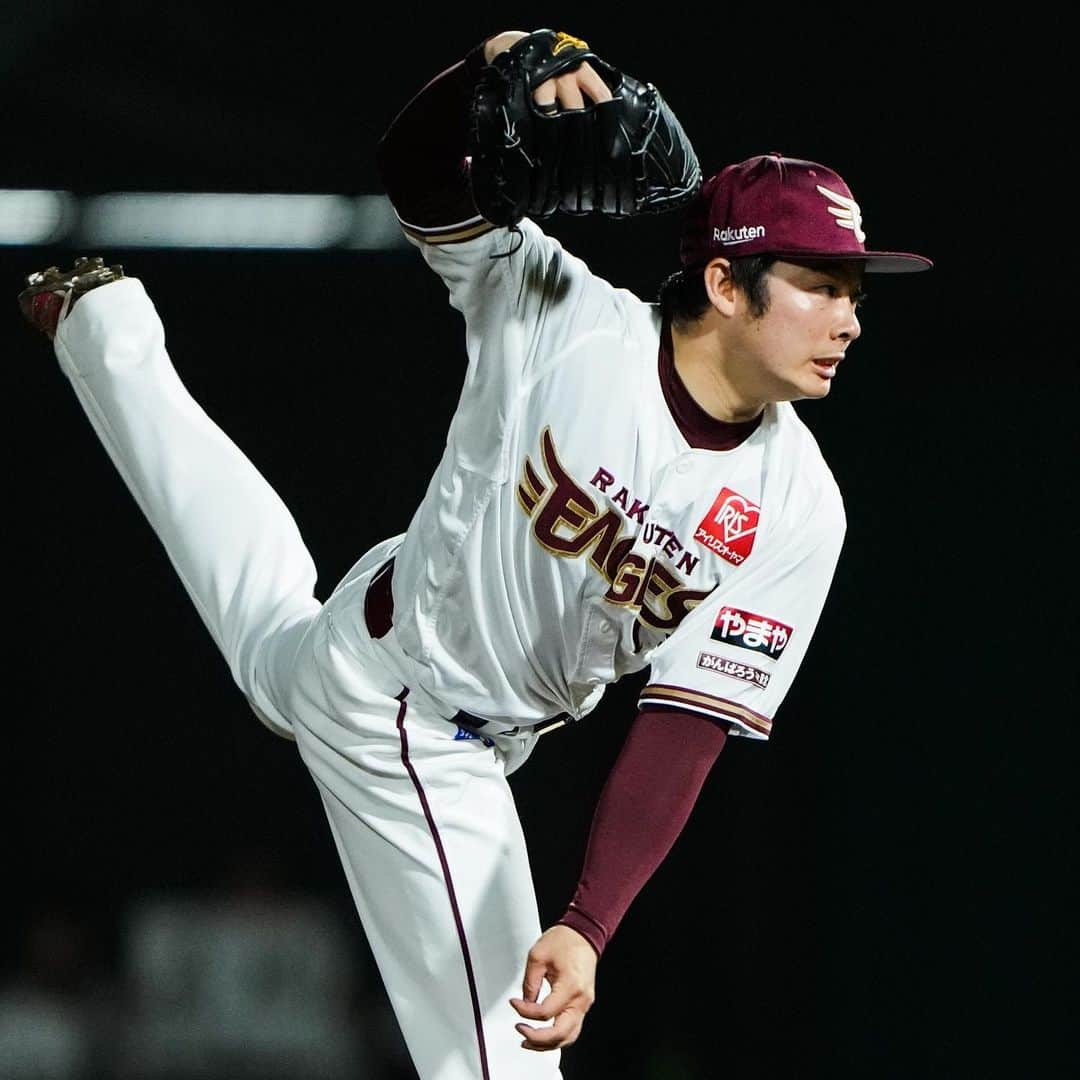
column 230, row 538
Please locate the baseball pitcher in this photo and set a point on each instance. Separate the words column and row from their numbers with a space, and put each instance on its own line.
column 625, row 485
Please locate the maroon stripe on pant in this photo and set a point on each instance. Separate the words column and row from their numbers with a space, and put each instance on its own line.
column 449, row 884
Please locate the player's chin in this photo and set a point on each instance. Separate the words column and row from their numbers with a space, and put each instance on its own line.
column 814, row 385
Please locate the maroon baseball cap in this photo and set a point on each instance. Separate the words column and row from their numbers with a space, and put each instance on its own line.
column 775, row 205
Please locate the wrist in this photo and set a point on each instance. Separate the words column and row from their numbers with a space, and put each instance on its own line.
column 589, row 928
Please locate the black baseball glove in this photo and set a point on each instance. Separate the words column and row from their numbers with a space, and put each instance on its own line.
column 621, row 157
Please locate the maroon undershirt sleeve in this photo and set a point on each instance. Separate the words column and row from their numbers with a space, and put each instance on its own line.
column 421, row 157
column 644, row 805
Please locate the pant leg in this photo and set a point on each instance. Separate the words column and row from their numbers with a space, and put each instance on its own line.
column 230, row 538
column 431, row 843
column 425, row 826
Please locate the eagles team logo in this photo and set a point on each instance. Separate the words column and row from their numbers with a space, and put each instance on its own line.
column 846, row 211
column 729, row 528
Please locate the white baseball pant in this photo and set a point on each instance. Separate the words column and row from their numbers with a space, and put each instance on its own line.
column 425, row 824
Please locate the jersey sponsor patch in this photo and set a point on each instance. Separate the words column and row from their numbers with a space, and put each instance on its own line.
column 746, row 630
column 723, row 666
column 729, row 528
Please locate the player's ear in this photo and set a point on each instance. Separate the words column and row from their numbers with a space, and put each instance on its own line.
column 720, row 287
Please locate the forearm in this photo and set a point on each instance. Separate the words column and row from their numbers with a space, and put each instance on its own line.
column 642, row 810
column 422, row 156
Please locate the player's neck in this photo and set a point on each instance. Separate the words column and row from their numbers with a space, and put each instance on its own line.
column 699, row 359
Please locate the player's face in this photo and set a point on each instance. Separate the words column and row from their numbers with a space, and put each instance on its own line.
column 796, row 348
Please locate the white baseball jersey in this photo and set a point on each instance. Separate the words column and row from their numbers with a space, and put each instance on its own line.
column 571, row 535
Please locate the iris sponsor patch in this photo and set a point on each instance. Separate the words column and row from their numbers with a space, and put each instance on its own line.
column 729, row 528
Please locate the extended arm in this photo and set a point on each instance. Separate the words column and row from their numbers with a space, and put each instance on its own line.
column 642, row 810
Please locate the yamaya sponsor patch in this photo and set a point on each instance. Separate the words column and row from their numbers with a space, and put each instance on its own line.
column 746, row 630
column 723, row 666
column 729, row 528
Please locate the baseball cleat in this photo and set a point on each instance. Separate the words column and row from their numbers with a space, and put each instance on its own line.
column 43, row 298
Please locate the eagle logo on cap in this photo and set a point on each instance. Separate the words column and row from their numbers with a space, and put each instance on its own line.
column 847, row 212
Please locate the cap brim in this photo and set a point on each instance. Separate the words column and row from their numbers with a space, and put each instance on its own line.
column 895, row 262
column 876, row 262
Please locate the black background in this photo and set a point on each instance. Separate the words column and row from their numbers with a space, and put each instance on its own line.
column 875, row 893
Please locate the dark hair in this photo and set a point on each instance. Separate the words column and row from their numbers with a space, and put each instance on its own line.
column 683, row 299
